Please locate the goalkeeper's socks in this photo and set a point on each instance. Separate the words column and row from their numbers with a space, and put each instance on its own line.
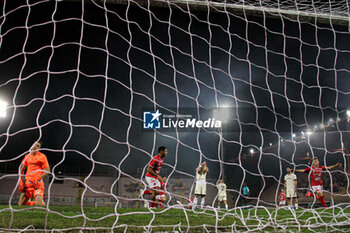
column 160, row 205
column 323, row 202
column 296, row 206
column 30, row 203
column 226, row 206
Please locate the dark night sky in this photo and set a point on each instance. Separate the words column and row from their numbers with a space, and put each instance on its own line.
column 92, row 63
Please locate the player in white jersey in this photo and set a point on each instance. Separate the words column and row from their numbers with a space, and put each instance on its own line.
column 201, row 185
column 290, row 184
column 222, row 194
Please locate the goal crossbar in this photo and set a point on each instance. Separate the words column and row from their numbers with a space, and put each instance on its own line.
column 239, row 8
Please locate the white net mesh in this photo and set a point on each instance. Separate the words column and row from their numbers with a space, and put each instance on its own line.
column 79, row 76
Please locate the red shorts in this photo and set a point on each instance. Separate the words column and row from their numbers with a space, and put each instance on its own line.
column 35, row 189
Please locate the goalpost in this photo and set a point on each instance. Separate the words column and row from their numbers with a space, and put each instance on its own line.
column 249, row 87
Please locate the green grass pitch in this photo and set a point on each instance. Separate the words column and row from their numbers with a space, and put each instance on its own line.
column 106, row 219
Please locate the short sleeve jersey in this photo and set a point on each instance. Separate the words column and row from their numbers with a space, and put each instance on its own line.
column 222, row 188
column 35, row 164
column 156, row 164
column 315, row 175
column 289, row 179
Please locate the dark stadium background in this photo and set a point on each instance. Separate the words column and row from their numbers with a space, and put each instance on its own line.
column 310, row 87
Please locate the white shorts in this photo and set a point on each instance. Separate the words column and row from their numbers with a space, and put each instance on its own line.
column 222, row 198
column 153, row 183
column 317, row 188
column 290, row 193
column 282, row 202
column 159, row 197
column 201, row 189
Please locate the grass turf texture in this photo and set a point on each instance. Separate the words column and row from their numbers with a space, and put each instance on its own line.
column 102, row 219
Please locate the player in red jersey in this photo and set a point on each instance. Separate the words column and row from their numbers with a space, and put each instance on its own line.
column 37, row 169
column 161, row 198
column 152, row 177
column 282, row 197
column 315, row 174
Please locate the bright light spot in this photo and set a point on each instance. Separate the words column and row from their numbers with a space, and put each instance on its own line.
column 222, row 114
column 309, row 132
column 322, row 126
column 3, row 108
column 294, row 135
column 251, row 151
column 302, row 132
column 331, row 120
column 348, row 113
column 270, row 144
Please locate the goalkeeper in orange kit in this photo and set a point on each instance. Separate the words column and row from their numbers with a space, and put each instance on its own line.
column 37, row 169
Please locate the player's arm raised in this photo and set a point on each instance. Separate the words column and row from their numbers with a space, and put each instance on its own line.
column 300, row 170
column 334, row 166
column 206, row 167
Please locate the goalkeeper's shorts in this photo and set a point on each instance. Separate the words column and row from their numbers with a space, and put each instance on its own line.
column 34, row 189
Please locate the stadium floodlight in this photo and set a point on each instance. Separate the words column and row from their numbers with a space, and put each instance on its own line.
column 3, row 108
column 348, row 113
column 223, row 114
column 270, row 144
column 308, row 132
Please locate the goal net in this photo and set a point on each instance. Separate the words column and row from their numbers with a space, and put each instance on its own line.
column 248, row 87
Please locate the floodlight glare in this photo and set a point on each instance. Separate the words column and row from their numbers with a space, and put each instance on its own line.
column 348, row 113
column 309, row 132
column 222, row 114
column 252, row 151
column 294, row 135
column 3, row 108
